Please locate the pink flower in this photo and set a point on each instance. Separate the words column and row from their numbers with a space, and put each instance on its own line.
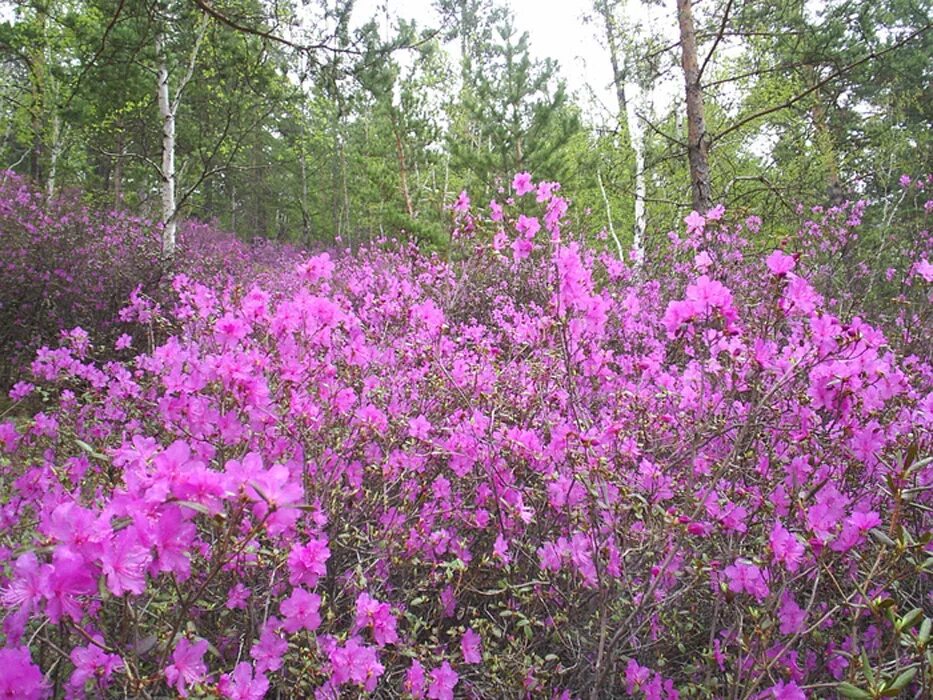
column 695, row 222
column 791, row 615
column 415, row 680
column 745, row 577
column 378, row 616
column 301, row 611
column 241, row 685
column 470, row 647
column 702, row 262
column 786, row 547
column 307, row 563
column 91, row 662
column 20, row 678
column 356, row 663
column 237, row 597
column 522, row 184
column 187, row 665
column 790, row 691
column 419, row 428
column 462, row 205
column 495, row 210
column 271, row 647
column 780, row 263
column 924, row 268
column 124, row 563
column 443, row 682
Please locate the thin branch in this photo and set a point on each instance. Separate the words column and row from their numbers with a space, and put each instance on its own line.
column 828, row 79
column 719, row 35
column 97, row 54
column 208, row 7
column 192, row 60
column 658, row 131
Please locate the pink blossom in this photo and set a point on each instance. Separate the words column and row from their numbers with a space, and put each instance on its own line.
column 242, row 685
column 780, row 263
column 370, row 613
column 20, row 678
column 745, row 577
column 187, row 667
column 788, row 691
column 786, row 547
column 443, row 682
column 415, row 680
column 300, row 611
column 695, row 222
column 307, row 563
column 470, row 647
column 522, row 184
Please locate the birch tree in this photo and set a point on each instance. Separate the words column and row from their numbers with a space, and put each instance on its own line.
column 168, row 110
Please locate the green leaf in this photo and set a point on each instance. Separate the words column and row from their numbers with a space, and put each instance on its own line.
column 90, row 450
column 924, row 635
column 904, row 678
column 847, row 690
column 194, row 506
column 910, row 619
column 866, row 669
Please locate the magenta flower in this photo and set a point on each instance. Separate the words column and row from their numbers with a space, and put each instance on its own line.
column 786, row 547
column 788, row 691
column 695, row 222
column 377, row 616
column 91, row 662
column 791, row 615
column 415, row 680
column 187, row 667
column 355, row 663
column 301, row 611
column 522, row 184
column 443, row 682
column 242, row 685
column 271, row 647
column 20, row 678
column 124, row 563
column 307, row 563
column 780, row 263
column 745, row 577
column 471, row 647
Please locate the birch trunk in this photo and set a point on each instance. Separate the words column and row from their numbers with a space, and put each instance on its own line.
column 627, row 116
column 167, row 171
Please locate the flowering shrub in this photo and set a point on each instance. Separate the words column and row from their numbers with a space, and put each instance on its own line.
column 65, row 265
column 529, row 472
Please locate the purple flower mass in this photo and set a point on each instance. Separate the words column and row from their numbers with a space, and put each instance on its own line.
column 526, row 469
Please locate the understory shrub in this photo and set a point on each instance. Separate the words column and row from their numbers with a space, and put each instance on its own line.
column 532, row 471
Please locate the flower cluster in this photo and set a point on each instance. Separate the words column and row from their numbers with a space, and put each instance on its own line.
column 529, row 471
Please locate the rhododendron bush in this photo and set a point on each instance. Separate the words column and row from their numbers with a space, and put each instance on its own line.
column 527, row 471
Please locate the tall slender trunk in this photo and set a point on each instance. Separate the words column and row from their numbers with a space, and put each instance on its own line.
column 56, row 138
column 167, row 171
column 697, row 139
column 641, row 188
column 402, row 165
column 118, row 169
column 629, row 119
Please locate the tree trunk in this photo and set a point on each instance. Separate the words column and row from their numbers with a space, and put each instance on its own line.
column 629, row 119
column 402, row 166
column 118, row 170
column 697, row 140
column 167, row 172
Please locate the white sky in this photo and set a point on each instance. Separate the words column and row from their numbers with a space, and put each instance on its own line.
column 557, row 30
